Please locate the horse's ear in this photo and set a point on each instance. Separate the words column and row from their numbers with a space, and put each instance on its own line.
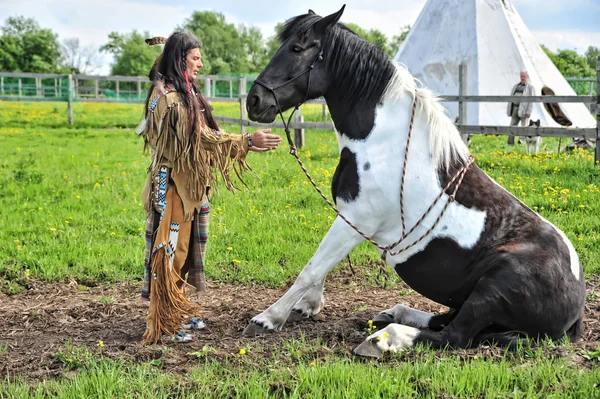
column 311, row 12
column 325, row 23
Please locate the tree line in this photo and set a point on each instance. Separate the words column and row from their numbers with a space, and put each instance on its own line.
column 227, row 49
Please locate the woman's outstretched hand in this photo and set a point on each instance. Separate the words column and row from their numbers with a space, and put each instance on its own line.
column 262, row 140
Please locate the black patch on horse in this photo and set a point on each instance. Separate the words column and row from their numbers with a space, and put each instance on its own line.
column 345, row 184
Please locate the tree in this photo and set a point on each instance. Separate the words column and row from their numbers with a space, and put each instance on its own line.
column 591, row 56
column 80, row 59
column 223, row 47
column 397, row 40
column 133, row 57
column 569, row 63
column 26, row 47
column 375, row 36
column 273, row 43
column 254, row 46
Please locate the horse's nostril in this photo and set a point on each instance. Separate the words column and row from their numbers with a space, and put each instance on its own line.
column 255, row 100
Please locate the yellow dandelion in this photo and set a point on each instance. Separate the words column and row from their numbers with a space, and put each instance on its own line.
column 100, row 344
column 242, row 351
column 236, row 261
column 52, row 228
column 230, row 248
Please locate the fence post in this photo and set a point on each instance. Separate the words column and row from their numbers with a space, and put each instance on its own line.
column 70, row 100
column 242, row 105
column 117, row 87
column 591, row 93
column 139, row 89
column 324, row 112
column 96, row 87
column 20, row 88
column 230, row 88
column 299, row 132
column 206, row 87
column 597, row 153
column 214, row 89
column 2, row 85
column 462, row 105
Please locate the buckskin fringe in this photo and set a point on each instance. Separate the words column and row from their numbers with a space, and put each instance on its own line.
column 169, row 306
column 204, row 159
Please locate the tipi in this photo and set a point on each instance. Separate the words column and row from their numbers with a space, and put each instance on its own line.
column 489, row 37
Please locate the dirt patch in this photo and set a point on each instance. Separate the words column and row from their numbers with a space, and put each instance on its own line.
column 110, row 319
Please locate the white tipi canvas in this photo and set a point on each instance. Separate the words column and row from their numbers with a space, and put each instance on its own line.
column 489, row 37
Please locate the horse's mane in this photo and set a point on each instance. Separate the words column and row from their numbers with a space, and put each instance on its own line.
column 364, row 77
column 370, row 76
column 445, row 142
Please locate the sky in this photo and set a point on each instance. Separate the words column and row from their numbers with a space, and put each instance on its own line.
column 557, row 24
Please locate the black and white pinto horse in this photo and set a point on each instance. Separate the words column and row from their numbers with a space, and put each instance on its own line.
column 503, row 270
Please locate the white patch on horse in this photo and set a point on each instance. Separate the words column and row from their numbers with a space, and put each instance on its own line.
column 377, row 206
column 395, row 337
column 573, row 257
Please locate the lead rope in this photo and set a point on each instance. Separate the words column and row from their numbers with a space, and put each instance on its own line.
column 458, row 178
column 387, row 249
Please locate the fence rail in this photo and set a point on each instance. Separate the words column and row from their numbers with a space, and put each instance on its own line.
column 70, row 90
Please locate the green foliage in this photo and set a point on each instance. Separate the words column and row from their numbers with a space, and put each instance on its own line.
column 73, row 357
column 569, row 63
column 85, row 218
column 591, row 55
column 133, row 57
column 307, row 373
column 26, row 47
column 225, row 48
column 375, row 36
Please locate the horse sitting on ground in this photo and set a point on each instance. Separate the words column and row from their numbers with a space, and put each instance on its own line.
column 404, row 172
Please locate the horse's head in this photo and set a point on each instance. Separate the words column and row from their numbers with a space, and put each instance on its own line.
column 295, row 73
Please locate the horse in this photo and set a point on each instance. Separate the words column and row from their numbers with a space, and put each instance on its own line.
column 504, row 271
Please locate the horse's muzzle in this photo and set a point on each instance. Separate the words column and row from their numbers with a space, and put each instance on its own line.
column 260, row 105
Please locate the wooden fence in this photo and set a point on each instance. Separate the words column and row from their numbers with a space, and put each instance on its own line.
column 72, row 88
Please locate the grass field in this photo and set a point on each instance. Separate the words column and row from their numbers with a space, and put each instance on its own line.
column 70, row 208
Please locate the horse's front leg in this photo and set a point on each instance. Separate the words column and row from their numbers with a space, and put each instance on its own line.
column 338, row 242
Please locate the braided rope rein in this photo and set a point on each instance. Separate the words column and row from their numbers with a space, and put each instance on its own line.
column 458, row 178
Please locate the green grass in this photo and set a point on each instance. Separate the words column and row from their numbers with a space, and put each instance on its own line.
column 70, row 202
column 417, row 372
column 70, row 208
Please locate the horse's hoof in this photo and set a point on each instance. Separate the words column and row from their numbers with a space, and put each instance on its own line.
column 368, row 349
column 254, row 330
column 296, row 315
column 382, row 320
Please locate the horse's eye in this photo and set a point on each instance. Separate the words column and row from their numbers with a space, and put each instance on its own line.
column 297, row 49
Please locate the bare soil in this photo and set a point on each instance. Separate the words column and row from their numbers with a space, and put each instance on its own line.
column 110, row 319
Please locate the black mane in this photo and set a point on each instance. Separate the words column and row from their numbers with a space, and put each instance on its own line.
column 362, row 70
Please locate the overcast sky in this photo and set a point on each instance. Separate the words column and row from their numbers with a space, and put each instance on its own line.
column 558, row 24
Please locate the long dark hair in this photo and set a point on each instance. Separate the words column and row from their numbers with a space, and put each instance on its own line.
column 171, row 64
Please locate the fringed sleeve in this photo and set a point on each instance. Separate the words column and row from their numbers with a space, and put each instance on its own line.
column 228, row 153
column 197, row 161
